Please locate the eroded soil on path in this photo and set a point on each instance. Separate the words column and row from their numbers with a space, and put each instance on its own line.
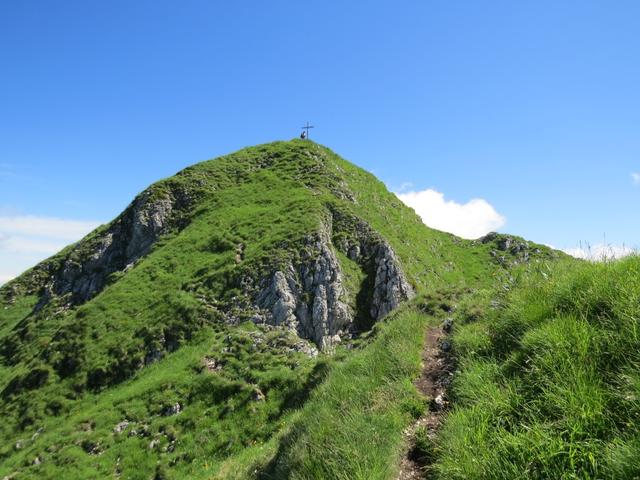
column 437, row 370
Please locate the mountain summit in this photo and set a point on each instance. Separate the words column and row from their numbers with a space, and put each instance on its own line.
column 195, row 324
column 270, row 233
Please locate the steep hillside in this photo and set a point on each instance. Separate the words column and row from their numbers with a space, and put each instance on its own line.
column 227, row 311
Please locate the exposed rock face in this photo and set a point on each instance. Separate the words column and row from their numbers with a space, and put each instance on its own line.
column 310, row 297
column 279, row 297
column 391, row 286
column 85, row 270
column 149, row 220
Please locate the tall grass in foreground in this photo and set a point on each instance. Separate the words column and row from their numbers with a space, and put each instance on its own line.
column 549, row 384
column 351, row 428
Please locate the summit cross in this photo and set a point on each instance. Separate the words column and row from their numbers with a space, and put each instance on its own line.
column 306, row 129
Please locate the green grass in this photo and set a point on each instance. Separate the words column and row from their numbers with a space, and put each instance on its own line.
column 351, row 428
column 220, row 414
column 549, row 385
column 70, row 373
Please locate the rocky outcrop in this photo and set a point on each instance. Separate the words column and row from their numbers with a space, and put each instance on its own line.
column 84, row 271
column 509, row 250
column 309, row 296
column 390, row 287
column 149, row 221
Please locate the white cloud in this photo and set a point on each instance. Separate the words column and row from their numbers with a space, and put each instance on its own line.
column 33, row 245
column 600, row 252
column 25, row 240
column 45, row 226
column 635, row 176
column 473, row 219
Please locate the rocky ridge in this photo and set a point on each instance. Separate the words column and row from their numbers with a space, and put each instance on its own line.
column 510, row 250
column 82, row 271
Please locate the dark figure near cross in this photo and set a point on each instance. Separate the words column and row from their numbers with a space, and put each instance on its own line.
column 305, row 131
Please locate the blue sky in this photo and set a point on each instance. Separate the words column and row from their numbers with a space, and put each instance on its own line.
column 531, row 107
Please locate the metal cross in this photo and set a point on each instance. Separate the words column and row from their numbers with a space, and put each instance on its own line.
column 306, row 129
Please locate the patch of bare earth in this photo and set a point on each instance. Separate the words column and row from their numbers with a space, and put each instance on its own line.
column 436, row 375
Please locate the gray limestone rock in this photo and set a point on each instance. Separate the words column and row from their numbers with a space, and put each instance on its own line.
column 85, row 270
column 121, row 426
column 309, row 297
column 171, row 410
column 391, row 286
column 148, row 222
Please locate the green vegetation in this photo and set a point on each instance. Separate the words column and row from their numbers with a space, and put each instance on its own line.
column 360, row 411
column 163, row 373
column 73, row 373
column 549, row 382
column 231, row 388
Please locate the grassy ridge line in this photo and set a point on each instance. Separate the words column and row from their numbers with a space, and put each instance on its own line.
column 550, row 382
column 351, row 428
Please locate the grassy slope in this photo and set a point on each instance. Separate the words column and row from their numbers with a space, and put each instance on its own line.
column 268, row 198
column 430, row 257
column 353, row 425
column 108, row 337
column 350, row 428
column 549, row 384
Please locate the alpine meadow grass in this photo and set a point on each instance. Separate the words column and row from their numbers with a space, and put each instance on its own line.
column 549, row 381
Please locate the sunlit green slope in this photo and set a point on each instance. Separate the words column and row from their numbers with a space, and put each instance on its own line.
column 153, row 348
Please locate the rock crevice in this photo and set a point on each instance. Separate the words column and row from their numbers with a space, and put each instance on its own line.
column 310, row 295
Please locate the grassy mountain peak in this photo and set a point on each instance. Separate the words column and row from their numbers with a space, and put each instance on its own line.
column 210, row 323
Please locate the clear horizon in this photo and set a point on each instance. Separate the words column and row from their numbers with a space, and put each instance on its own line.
column 520, row 118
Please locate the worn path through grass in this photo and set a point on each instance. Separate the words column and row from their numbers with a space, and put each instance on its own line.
column 432, row 383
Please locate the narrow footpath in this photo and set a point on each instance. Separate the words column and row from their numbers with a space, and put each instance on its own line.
column 436, row 375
